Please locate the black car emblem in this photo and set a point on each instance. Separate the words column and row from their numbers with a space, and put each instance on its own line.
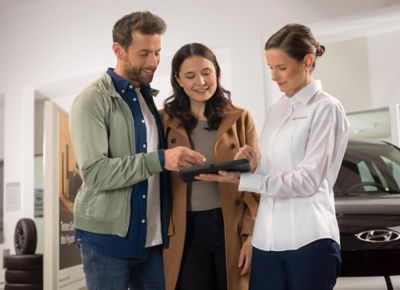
column 378, row 236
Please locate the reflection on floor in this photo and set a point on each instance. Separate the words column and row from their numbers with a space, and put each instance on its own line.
column 366, row 283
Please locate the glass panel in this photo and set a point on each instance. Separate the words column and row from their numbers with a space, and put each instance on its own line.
column 366, row 176
column 369, row 168
column 371, row 124
column 395, row 168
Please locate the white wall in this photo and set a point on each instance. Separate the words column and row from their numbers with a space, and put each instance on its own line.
column 1, row 126
column 18, row 159
column 48, row 41
column 363, row 72
column 57, row 40
column 345, row 73
column 384, row 60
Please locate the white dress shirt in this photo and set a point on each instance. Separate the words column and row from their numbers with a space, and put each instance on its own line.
column 153, row 236
column 302, row 145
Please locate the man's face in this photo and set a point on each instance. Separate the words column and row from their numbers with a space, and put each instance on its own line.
column 140, row 60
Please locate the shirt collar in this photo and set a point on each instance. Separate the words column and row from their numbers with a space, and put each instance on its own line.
column 305, row 94
column 122, row 84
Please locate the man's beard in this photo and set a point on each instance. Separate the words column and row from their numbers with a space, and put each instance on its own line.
column 135, row 76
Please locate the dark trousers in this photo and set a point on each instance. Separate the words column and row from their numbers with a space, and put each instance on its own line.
column 312, row 267
column 203, row 264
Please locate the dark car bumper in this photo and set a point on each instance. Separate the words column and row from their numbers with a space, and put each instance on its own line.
column 370, row 245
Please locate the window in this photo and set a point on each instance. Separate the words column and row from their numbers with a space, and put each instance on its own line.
column 369, row 168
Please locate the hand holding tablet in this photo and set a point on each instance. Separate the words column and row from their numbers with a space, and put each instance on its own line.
column 188, row 174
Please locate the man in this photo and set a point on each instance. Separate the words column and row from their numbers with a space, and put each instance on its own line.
column 121, row 209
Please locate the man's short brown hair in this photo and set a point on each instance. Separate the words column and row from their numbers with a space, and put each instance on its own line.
column 143, row 21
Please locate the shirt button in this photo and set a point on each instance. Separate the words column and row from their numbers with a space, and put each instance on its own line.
column 143, row 221
column 143, row 121
column 143, row 196
column 134, row 99
column 130, row 86
column 144, row 145
column 123, row 91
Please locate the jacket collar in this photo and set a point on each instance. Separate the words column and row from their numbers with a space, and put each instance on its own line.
column 231, row 115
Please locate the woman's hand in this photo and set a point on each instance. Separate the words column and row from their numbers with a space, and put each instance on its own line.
column 249, row 153
column 222, row 176
column 245, row 256
column 245, row 152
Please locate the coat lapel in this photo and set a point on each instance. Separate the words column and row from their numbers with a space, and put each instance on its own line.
column 231, row 116
column 173, row 125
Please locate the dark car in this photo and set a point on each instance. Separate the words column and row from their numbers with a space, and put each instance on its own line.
column 367, row 198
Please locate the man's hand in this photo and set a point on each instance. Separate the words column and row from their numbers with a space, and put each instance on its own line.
column 245, row 256
column 248, row 152
column 182, row 157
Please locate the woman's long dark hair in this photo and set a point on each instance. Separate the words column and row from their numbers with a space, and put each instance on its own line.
column 178, row 105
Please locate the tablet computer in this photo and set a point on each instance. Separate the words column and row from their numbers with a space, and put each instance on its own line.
column 188, row 174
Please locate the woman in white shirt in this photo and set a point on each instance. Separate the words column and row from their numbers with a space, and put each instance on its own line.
column 305, row 134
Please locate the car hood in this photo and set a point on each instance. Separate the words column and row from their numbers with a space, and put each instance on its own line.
column 381, row 203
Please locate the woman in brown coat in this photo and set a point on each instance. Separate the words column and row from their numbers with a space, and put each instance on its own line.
column 211, row 224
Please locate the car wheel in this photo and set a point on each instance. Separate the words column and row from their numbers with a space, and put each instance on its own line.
column 25, row 237
column 23, row 262
column 18, row 276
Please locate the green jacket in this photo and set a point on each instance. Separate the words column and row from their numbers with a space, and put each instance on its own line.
column 102, row 132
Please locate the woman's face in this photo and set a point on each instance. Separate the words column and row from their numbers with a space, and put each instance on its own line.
column 290, row 75
column 198, row 78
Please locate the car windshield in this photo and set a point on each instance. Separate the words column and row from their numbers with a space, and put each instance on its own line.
column 369, row 168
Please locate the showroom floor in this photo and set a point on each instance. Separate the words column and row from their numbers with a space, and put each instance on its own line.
column 366, row 283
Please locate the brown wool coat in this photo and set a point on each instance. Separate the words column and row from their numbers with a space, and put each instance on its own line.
column 239, row 208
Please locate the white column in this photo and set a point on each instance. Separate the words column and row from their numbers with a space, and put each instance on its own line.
column 18, row 161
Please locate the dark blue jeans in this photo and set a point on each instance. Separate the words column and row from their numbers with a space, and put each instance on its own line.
column 312, row 267
column 110, row 273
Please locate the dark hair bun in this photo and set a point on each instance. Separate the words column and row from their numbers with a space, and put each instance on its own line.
column 320, row 50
